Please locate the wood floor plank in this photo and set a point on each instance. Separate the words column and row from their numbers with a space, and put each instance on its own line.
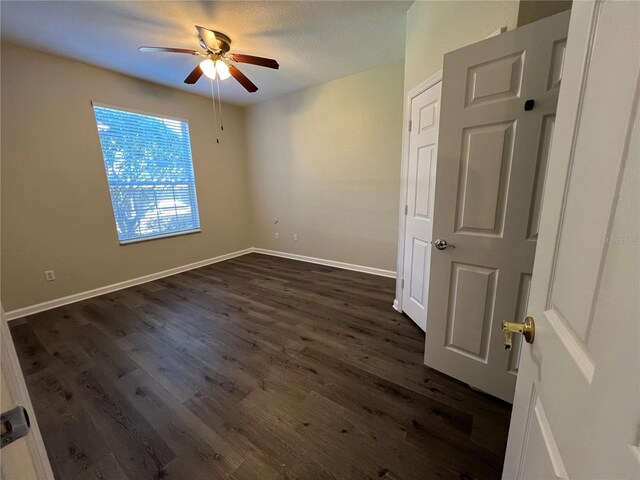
column 254, row 368
column 104, row 351
column 353, row 445
column 57, row 326
column 106, row 468
column 72, row 441
column 370, row 394
column 186, row 435
column 139, row 449
column 31, row 353
column 250, row 470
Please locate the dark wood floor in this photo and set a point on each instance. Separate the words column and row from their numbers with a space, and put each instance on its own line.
column 254, row 368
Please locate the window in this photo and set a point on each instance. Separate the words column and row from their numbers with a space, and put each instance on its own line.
column 150, row 174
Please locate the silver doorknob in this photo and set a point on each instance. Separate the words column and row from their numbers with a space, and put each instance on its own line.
column 442, row 244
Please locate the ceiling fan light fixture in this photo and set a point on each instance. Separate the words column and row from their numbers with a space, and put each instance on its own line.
column 208, row 68
column 216, row 54
column 222, row 69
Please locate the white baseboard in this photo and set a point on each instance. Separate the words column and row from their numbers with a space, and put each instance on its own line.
column 396, row 305
column 329, row 263
column 76, row 297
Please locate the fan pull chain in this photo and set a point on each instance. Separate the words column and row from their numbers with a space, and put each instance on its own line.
column 215, row 118
column 219, row 102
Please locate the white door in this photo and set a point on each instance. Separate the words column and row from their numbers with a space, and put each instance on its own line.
column 576, row 412
column 25, row 458
column 421, row 174
column 491, row 171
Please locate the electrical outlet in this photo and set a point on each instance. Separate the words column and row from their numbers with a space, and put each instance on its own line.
column 49, row 275
column 295, row 237
column 276, row 235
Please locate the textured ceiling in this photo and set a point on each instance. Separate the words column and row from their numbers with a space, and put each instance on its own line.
column 314, row 41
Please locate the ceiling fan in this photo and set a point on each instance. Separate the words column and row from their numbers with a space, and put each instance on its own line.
column 217, row 59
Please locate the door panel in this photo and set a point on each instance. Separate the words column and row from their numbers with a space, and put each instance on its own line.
column 487, row 152
column 417, row 284
column 584, row 363
column 425, row 179
column 423, row 148
column 428, row 116
column 491, row 171
column 557, row 63
column 495, row 80
column 473, row 296
column 541, row 458
column 548, row 123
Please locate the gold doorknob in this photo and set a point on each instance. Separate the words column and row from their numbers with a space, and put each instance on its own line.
column 527, row 329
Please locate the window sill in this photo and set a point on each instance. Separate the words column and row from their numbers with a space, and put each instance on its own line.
column 157, row 237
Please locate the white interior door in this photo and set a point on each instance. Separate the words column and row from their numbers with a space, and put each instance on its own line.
column 577, row 405
column 421, row 173
column 491, row 174
column 25, row 458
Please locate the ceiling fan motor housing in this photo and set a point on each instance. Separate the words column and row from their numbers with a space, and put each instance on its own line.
column 224, row 42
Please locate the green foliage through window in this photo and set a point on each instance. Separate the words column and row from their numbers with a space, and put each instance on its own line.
column 150, row 174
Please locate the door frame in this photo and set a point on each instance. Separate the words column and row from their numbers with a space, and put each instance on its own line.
column 404, row 178
column 38, row 461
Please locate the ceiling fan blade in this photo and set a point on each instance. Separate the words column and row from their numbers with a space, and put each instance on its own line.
column 194, row 76
column 242, row 79
column 209, row 38
column 263, row 62
column 167, row 50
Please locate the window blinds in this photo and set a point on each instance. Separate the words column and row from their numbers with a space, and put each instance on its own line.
column 150, row 174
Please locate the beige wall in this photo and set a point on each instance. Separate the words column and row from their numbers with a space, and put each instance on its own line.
column 56, row 211
column 533, row 10
column 437, row 27
column 326, row 162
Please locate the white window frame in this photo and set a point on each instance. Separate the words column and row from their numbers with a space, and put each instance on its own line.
column 156, row 115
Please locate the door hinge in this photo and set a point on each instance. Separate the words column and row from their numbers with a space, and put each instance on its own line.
column 410, row 124
column 406, row 209
column 402, row 283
